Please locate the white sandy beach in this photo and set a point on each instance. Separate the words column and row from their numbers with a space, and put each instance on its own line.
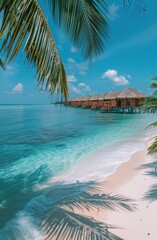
column 129, row 180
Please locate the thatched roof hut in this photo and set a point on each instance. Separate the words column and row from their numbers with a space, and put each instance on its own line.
column 112, row 95
column 130, row 93
column 129, row 97
column 94, row 97
column 102, row 96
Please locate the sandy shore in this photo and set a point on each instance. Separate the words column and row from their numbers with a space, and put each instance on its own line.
column 129, row 180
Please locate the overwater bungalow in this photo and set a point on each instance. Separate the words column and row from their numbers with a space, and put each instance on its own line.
column 86, row 102
column 127, row 100
column 93, row 101
column 101, row 100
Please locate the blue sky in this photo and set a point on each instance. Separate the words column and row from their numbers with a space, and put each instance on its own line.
column 130, row 61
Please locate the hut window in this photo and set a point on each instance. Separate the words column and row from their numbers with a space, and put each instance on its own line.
column 128, row 102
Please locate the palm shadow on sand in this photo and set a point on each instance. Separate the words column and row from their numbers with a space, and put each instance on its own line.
column 62, row 222
column 151, row 170
column 54, row 213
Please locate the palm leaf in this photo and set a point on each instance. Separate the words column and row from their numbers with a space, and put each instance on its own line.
column 150, row 105
column 154, row 124
column 24, row 22
column 153, row 148
column 61, row 223
column 153, row 85
column 85, row 22
column 2, row 64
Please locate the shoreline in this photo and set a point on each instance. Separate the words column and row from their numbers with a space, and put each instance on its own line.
column 82, row 173
column 130, row 180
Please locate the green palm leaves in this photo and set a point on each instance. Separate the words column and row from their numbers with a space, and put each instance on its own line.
column 85, row 22
column 25, row 26
column 24, row 21
column 150, row 106
column 2, row 64
column 62, row 220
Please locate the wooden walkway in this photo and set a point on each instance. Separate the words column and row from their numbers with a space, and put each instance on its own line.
column 111, row 110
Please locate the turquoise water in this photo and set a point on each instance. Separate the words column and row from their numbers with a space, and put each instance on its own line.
column 39, row 143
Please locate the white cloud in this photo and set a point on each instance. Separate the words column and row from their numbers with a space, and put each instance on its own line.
column 115, row 78
column 120, row 80
column 71, row 78
column 110, row 73
column 84, row 87
column 71, row 60
column 79, row 68
column 81, row 88
column 87, row 88
column 75, row 89
column 74, row 50
column 82, row 84
column 18, row 89
column 11, row 69
column 113, row 9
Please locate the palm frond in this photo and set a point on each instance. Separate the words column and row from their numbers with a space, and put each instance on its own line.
column 153, row 85
column 150, row 105
column 2, row 64
column 85, row 22
column 61, row 223
column 154, row 124
column 153, row 148
column 24, row 22
column 154, row 78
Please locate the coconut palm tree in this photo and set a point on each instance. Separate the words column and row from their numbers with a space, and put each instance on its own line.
column 24, row 26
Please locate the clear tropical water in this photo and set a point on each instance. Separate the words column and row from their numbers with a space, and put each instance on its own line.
column 39, row 143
